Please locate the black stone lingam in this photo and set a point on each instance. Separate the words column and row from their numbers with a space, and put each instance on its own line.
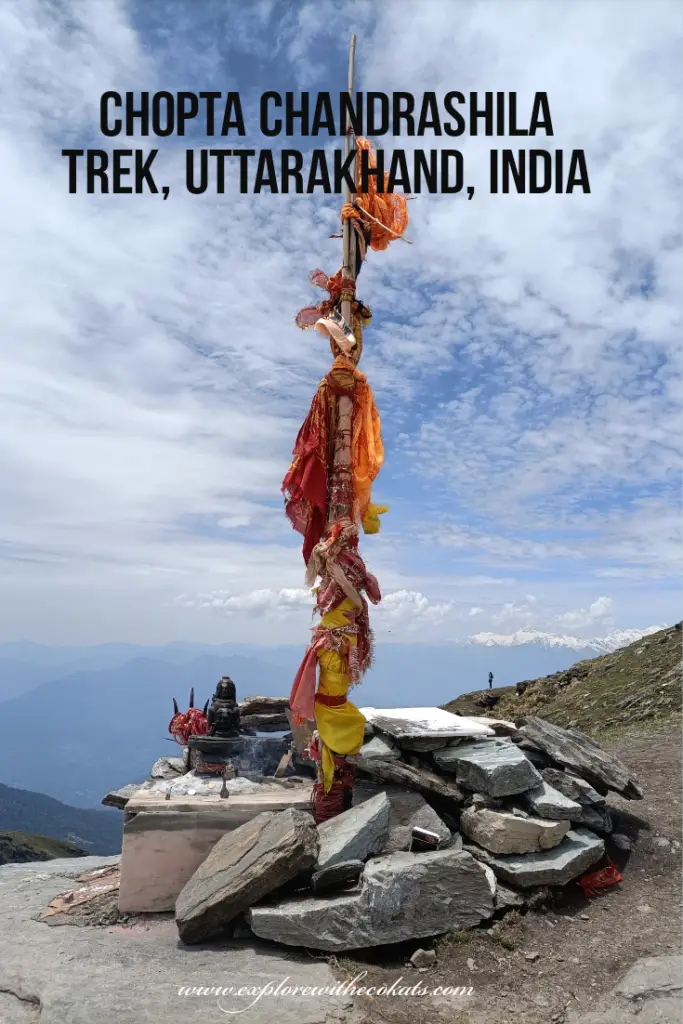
column 229, row 745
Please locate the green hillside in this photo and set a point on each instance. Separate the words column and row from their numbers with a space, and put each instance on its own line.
column 635, row 687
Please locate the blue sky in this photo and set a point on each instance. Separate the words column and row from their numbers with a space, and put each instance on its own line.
column 524, row 351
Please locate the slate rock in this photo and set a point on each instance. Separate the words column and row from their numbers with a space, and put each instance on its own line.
column 403, row 896
column 380, row 746
column 505, row 833
column 423, row 723
column 508, row 899
column 244, row 866
column 420, row 779
column 548, row 802
column 120, row 797
column 577, row 852
column 496, row 767
column 583, row 756
column 263, row 706
column 344, row 875
column 423, row 958
column 410, row 810
column 355, row 834
column 573, row 787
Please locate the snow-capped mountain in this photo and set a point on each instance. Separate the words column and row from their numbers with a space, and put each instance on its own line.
column 603, row 644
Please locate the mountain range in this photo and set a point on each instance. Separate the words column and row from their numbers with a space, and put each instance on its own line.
column 77, row 722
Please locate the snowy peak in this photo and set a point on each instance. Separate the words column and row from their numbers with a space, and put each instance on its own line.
column 603, row 644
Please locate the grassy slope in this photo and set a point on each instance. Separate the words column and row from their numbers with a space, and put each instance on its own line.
column 21, row 847
column 638, row 685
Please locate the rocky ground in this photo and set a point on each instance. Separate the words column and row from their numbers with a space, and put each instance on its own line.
column 561, row 965
column 554, row 966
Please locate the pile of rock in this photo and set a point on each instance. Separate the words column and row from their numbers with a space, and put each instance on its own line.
column 509, row 810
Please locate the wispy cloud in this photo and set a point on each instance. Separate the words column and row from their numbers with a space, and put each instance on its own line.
column 525, row 350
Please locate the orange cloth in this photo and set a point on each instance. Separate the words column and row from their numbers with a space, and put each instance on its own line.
column 367, row 449
column 389, row 208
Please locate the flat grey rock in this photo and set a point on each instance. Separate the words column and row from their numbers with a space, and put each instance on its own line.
column 262, row 706
column 120, row 797
column 379, row 746
column 344, row 875
column 403, row 896
column 583, row 756
column 355, row 834
column 132, row 975
column 410, row 777
column 548, row 802
column 573, row 787
column 426, row 723
column 650, row 993
column 410, row 810
column 496, row 767
column 577, row 852
column 505, row 833
column 243, row 867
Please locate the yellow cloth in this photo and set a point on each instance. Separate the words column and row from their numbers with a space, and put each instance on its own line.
column 371, row 521
column 341, row 728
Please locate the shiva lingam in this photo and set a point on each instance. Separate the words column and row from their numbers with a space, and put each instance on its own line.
column 225, row 747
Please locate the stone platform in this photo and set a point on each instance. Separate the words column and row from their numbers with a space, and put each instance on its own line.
column 165, row 841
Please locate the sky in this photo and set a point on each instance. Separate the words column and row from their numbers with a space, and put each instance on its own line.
column 525, row 350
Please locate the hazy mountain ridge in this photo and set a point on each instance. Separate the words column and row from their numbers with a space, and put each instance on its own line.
column 38, row 815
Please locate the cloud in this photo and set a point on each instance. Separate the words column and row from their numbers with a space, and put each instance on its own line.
column 524, row 350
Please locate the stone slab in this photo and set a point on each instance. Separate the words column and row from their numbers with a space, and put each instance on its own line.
column 406, row 775
column 583, row 756
column 548, row 802
column 413, row 723
column 504, row 833
column 403, row 896
column 242, row 868
column 496, row 767
column 355, row 834
column 577, row 852
column 379, row 746
column 132, row 974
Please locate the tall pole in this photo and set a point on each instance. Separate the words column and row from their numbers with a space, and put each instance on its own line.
column 348, row 249
column 340, row 494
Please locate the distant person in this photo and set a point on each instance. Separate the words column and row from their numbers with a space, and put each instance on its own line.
column 490, row 680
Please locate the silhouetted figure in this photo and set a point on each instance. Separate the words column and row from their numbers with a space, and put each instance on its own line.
column 490, row 680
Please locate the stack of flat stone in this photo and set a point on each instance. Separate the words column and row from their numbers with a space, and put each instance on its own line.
column 511, row 810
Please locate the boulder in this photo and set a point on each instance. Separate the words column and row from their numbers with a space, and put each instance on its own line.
column 496, row 767
column 355, row 834
column 577, row 852
column 583, row 756
column 508, row 899
column 420, row 779
column 501, row 832
column 244, row 866
column 548, row 802
column 403, row 896
column 379, row 746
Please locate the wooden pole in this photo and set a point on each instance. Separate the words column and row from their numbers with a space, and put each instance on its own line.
column 340, row 493
column 348, row 248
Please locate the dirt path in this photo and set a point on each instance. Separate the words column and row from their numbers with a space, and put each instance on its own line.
column 544, row 966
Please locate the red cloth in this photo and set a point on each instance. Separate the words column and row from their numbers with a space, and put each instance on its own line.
column 305, row 485
column 302, row 697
